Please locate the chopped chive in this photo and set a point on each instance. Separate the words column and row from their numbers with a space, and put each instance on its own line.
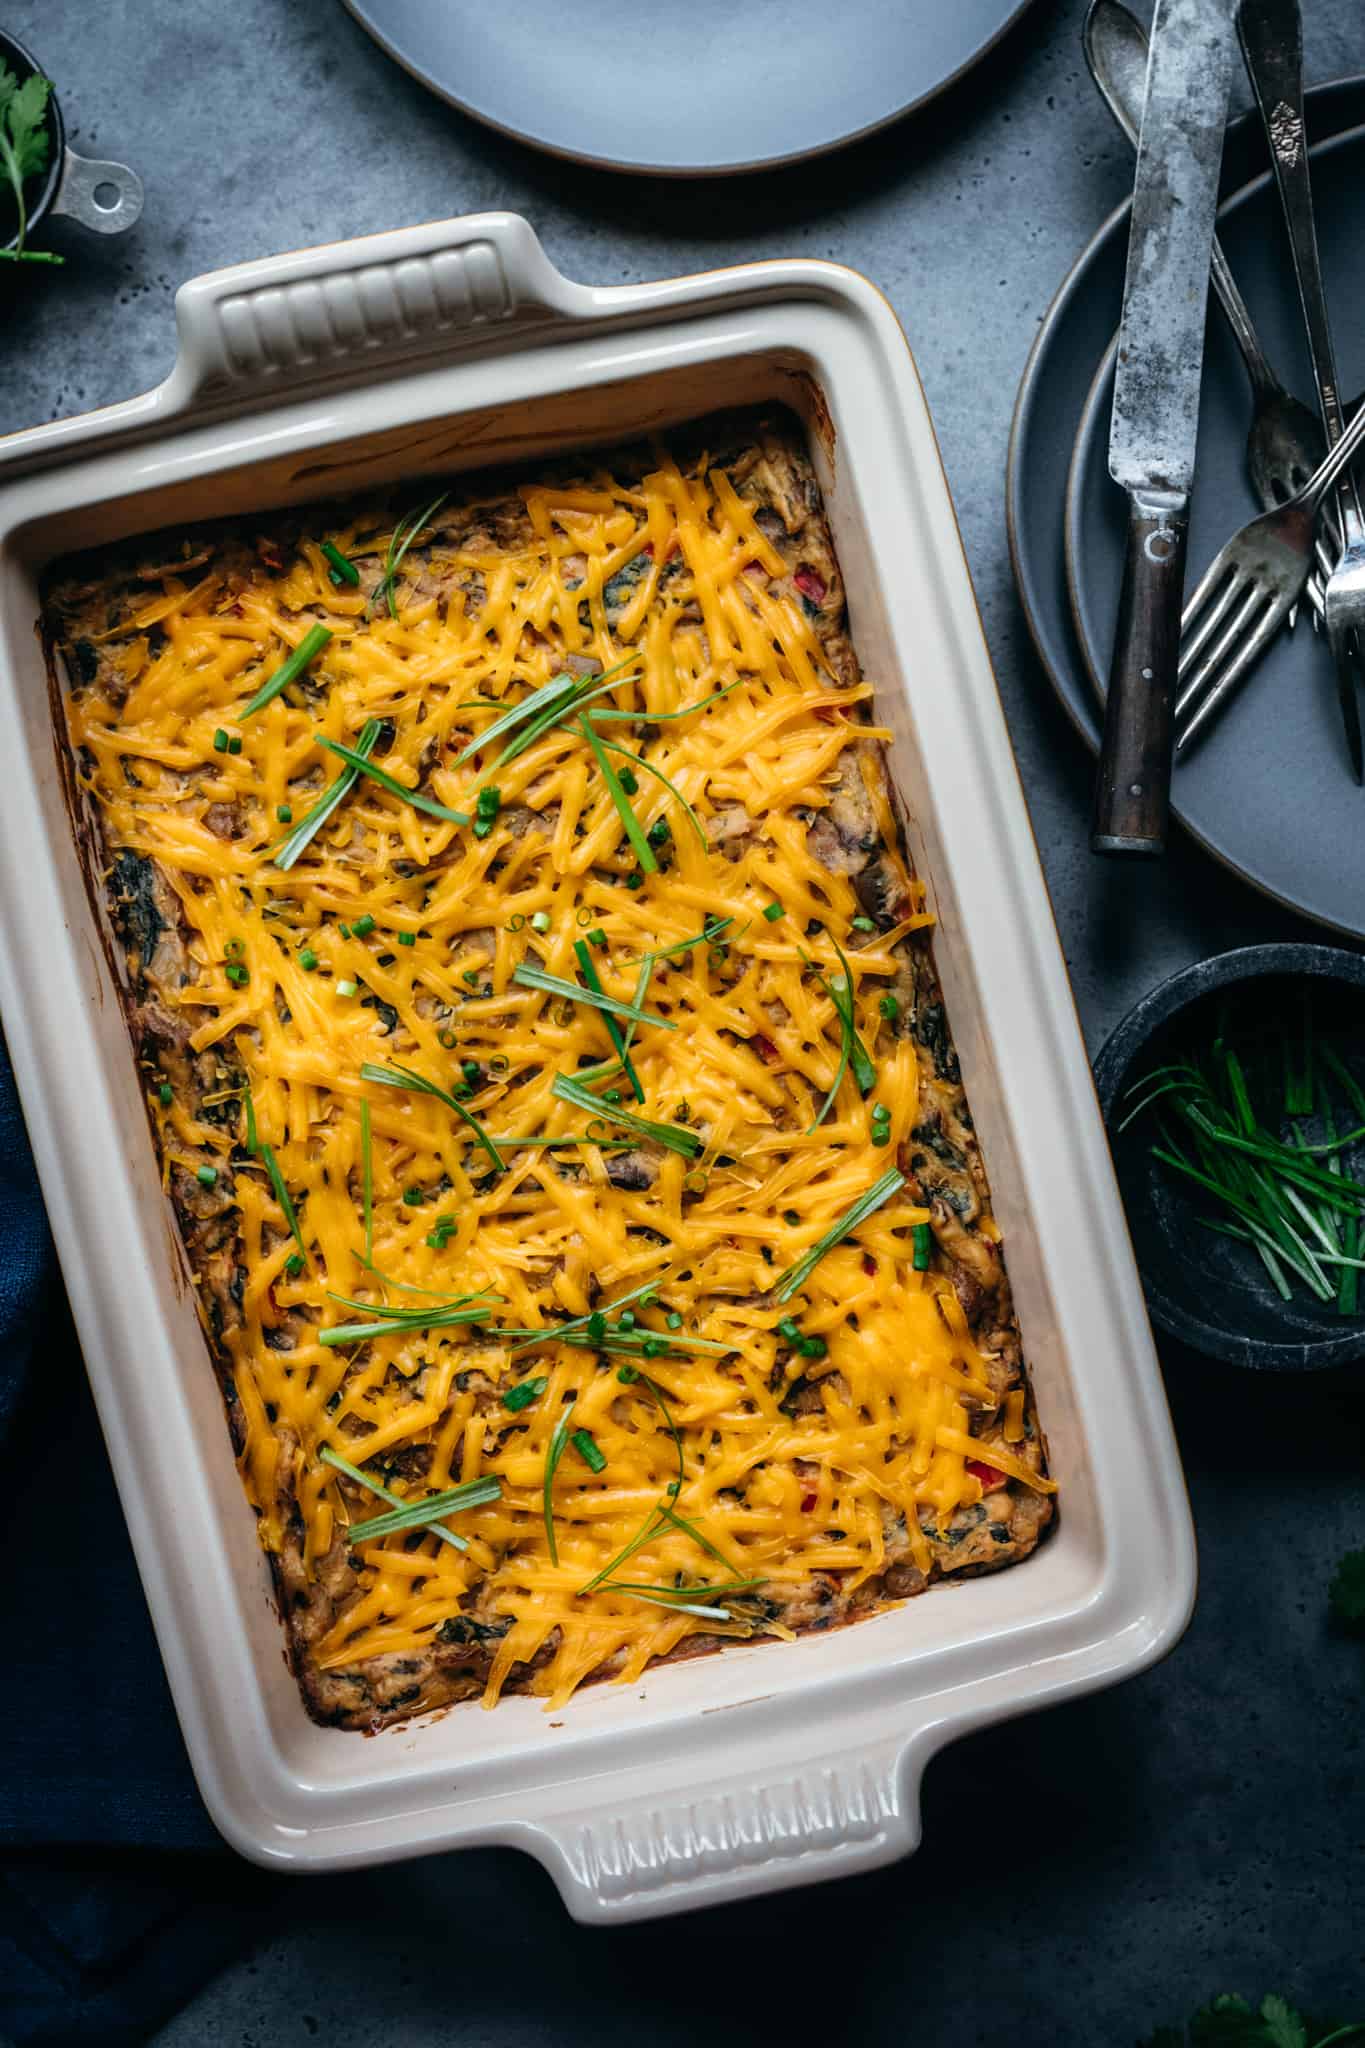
column 474, row 1493
column 308, row 959
column 253, row 1136
column 166, row 1094
column 922, row 1246
column 284, row 814
column 362, row 927
column 795, row 1277
column 355, row 759
column 417, row 1084
column 343, row 569
column 627, row 1374
column 862, row 924
column 541, row 921
column 397, row 552
column 639, row 761
column 413, row 1197
column 272, row 1167
column 285, row 856
column 346, row 987
column 588, row 1450
column 345, row 930
column 597, row 937
column 572, row 991
column 629, row 781
column 206, row 1176
column 308, row 649
column 558, row 1440
column 394, row 1322
column 890, row 1008
column 407, row 938
column 220, row 741
column 516, row 922
column 523, row 1394
column 234, row 745
column 773, row 911
column 674, row 1320
column 590, row 975
column 541, row 709
column 644, row 852
column 573, row 1092
column 293, row 1265
column 340, row 1464
column 367, row 1179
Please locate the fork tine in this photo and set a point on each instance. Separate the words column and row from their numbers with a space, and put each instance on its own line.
column 1247, row 654
column 1349, row 669
column 1225, row 646
column 1223, row 563
column 1193, row 641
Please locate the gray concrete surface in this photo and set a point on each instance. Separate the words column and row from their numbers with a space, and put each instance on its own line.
column 1086, row 1873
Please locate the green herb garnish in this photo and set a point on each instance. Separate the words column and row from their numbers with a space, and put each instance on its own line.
column 308, row 649
column 523, row 1394
column 401, row 539
column 1229, row 2022
column 24, row 149
column 396, row 1500
column 285, row 856
column 795, row 1277
column 644, row 852
column 1292, row 1201
column 423, row 1514
column 343, row 569
column 418, row 1084
column 595, row 998
column 588, row 969
column 671, row 1135
column 363, row 766
column 639, row 761
column 558, row 1439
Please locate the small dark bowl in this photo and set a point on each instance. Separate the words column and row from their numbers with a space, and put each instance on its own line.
column 1211, row 1291
column 38, row 198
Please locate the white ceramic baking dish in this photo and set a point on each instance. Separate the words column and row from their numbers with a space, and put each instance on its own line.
column 432, row 350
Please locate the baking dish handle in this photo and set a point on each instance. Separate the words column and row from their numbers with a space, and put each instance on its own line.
column 285, row 325
column 763, row 1833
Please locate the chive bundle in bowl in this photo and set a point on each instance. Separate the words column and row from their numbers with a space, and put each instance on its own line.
column 1235, row 1100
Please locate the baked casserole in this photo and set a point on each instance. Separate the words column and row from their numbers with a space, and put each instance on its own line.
column 542, row 1041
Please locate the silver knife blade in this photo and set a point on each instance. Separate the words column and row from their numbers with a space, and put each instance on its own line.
column 1155, row 419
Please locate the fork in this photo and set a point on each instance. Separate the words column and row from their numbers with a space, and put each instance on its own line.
column 1248, row 591
column 1272, row 43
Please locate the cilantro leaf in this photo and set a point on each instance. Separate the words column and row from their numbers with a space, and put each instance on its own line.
column 1228, row 2023
column 1283, row 2027
column 1347, row 1591
column 24, row 144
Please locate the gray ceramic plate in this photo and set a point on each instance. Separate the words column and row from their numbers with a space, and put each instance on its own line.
column 706, row 87
column 1270, row 793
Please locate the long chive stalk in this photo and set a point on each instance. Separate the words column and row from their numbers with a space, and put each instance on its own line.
column 285, row 855
column 796, row 1276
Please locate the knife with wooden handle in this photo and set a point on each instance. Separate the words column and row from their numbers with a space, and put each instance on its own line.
column 1155, row 420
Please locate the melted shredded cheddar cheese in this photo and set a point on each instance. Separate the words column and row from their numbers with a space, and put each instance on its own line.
column 779, row 1494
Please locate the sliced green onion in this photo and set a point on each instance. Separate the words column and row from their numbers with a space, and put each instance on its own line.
column 541, row 921
column 331, row 1457
column 590, row 975
column 670, row 1135
column 367, row 1179
column 422, row 1514
column 207, row 1176
column 890, row 1008
column 284, row 814
column 220, row 740
column 308, row 649
column 558, row 1439
column 418, row 1084
column 308, row 959
column 282, row 1196
column 639, row 761
column 644, row 852
column 773, row 911
column 523, row 1394
column 397, row 553
column 571, row 991
column 166, row 1094
column 795, row 1276
column 589, row 1450
column 285, row 856
column 355, row 759
column 344, row 569
column 346, row 987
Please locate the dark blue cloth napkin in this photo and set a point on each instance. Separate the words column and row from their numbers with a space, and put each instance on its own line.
column 117, row 1897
